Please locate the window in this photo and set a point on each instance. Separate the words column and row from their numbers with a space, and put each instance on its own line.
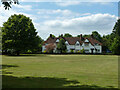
column 57, row 40
column 77, row 44
column 96, row 44
column 98, row 50
column 86, row 44
column 86, row 51
column 66, row 43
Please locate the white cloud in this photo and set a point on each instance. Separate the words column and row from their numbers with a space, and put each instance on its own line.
column 24, row 7
column 68, row 3
column 5, row 14
column 69, row 0
column 103, row 23
column 58, row 11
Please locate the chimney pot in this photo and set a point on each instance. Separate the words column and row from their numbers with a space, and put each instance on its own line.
column 51, row 35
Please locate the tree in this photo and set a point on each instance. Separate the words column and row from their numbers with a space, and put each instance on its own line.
column 67, row 35
column 7, row 4
column 116, row 29
column 19, row 34
column 116, row 46
column 61, row 46
column 39, row 47
column 97, row 36
column 0, row 40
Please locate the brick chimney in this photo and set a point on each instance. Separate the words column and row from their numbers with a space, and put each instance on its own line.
column 81, row 35
column 61, row 35
column 81, row 38
column 50, row 35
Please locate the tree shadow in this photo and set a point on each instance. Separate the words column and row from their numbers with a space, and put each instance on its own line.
column 22, row 55
column 9, row 81
column 46, row 82
column 7, row 66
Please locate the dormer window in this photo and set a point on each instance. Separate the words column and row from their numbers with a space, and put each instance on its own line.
column 86, row 40
column 77, row 43
column 57, row 40
column 66, row 43
column 86, row 43
column 96, row 44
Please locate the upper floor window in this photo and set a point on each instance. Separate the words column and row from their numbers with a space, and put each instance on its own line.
column 86, row 43
column 96, row 44
column 66, row 43
column 77, row 43
column 57, row 40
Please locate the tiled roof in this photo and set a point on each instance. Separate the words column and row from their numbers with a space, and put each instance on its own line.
column 72, row 40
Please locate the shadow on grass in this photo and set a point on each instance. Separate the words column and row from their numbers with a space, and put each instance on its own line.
column 8, row 66
column 46, row 82
column 9, row 81
column 22, row 55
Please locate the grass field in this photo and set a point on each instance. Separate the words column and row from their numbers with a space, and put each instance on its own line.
column 60, row 71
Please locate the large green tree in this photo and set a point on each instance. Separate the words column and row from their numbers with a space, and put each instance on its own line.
column 115, row 47
column 19, row 34
column 61, row 46
column 116, row 38
column 97, row 36
column 0, row 40
column 67, row 35
column 116, row 29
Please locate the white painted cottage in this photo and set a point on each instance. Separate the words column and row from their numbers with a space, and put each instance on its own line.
column 90, row 45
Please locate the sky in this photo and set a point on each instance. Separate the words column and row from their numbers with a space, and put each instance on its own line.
column 66, row 17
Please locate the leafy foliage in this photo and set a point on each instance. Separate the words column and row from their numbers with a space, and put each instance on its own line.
column 19, row 34
column 61, row 46
column 97, row 36
column 67, row 35
column 7, row 4
column 115, row 47
column 82, row 51
column 0, row 40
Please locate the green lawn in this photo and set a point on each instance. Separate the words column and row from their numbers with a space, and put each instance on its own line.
column 55, row 71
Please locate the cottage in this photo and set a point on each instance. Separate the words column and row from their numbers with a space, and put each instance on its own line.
column 90, row 45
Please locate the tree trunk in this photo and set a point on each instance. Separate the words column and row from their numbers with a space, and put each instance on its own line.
column 18, row 53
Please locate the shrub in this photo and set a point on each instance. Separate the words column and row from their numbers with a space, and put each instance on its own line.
column 82, row 51
column 71, row 51
column 44, row 51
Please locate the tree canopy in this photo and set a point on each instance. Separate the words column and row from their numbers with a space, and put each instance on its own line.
column 61, row 46
column 115, row 38
column 19, row 34
column 7, row 4
column 97, row 36
column 0, row 40
column 67, row 35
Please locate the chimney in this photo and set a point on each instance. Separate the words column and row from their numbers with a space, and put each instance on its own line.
column 81, row 35
column 61, row 35
column 50, row 35
column 81, row 38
